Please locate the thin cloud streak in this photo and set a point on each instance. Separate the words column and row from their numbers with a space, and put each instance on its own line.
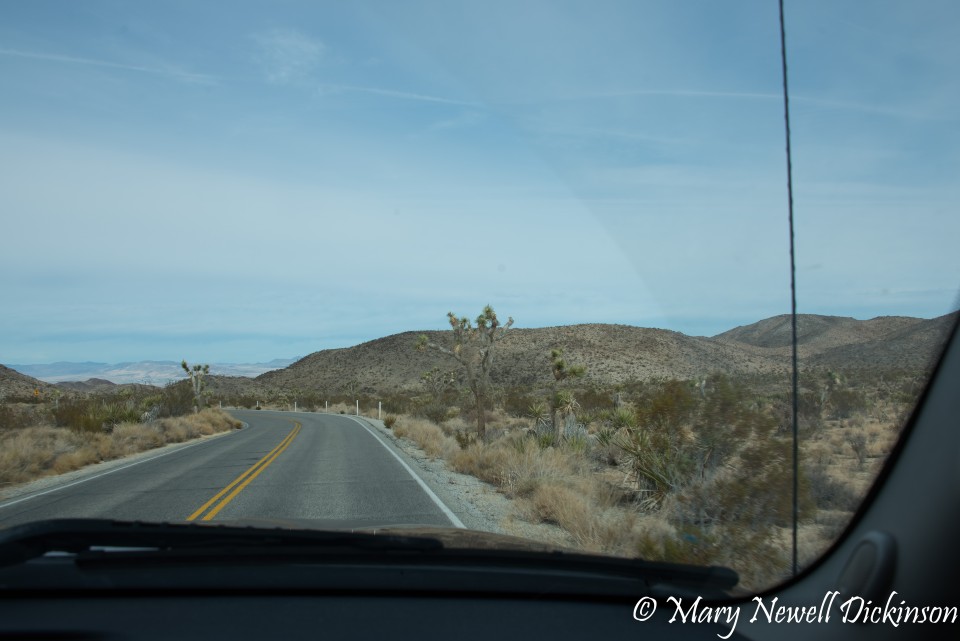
column 691, row 94
column 400, row 95
column 52, row 57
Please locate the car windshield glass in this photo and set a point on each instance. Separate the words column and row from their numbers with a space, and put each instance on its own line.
column 518, row 268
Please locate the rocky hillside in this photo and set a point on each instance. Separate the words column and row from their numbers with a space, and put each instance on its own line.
column 609, row 352
column 616, row 353
column 13, row 384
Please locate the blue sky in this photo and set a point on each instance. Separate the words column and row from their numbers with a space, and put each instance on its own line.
column 254, row 180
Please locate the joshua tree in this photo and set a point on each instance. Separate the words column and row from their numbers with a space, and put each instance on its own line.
column 473, row 348
column 438, row 381
column 562, row 401
column 197, row 375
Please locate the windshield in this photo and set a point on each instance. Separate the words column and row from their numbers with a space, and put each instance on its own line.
column 537, row 251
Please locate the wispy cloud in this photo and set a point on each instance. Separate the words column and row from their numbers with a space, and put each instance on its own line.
column 170, row 72
column 288, row 56
column 680, row 93
column 390, row 93
column 462, row 121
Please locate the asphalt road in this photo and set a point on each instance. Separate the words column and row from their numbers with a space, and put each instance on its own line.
column 314, row 470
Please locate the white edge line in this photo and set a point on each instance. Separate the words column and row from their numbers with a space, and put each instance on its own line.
column 96, row 476
column 436, row 499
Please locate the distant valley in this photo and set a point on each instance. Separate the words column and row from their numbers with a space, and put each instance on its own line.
column 141, row 372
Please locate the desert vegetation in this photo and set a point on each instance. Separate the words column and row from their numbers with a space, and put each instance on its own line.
column 695, row 470
column 54, row 432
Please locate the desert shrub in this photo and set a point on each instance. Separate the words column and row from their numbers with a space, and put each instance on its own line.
column 669, row 407
column 845, row 402
column 594, row 399
column 465, row 438
column 428, row 436
column 94, row 414
column 517, row 469
column 19, row 416
column 857, row 440
column 516, row 402
column 660, row 460
column 754, row 491
column 176, row 399
column 397, row 402
column 434, row 412
column 389, row 421
column 829, row 493
column 604, row 449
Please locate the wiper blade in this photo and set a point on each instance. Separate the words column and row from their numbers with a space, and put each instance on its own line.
column 21, row 543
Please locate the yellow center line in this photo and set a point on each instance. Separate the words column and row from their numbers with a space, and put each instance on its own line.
column 244, row 479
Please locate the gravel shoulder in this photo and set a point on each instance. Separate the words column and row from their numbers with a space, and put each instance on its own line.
column 477, row 503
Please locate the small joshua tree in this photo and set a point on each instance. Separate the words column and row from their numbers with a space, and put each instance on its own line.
column 197, row 375
column 562, row 401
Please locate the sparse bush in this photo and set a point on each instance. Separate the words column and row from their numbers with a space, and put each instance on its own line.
column 389, row 421
column 845, row 402
column 857, row 440
column 428, row 436
column 464, row 439
column 829, row 493
column 435, row 412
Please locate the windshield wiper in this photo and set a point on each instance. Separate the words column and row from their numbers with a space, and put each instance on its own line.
column 21, row 543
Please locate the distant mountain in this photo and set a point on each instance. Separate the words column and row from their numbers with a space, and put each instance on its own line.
column 142, row 372
column 839, row 342
column 617, row 353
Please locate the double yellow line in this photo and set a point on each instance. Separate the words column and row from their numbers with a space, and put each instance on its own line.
column 228, row 493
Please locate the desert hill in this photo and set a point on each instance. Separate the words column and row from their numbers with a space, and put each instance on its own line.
column 13, row 384
column 617, row 353
column 838, row 342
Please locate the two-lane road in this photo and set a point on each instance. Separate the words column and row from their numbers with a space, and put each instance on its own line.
column 321, row 470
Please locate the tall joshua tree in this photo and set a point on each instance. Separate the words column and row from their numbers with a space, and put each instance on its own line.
column 473, row 347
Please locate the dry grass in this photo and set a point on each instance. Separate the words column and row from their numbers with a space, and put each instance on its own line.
column 583, row 490
column 428, row 436
column 33, row 452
